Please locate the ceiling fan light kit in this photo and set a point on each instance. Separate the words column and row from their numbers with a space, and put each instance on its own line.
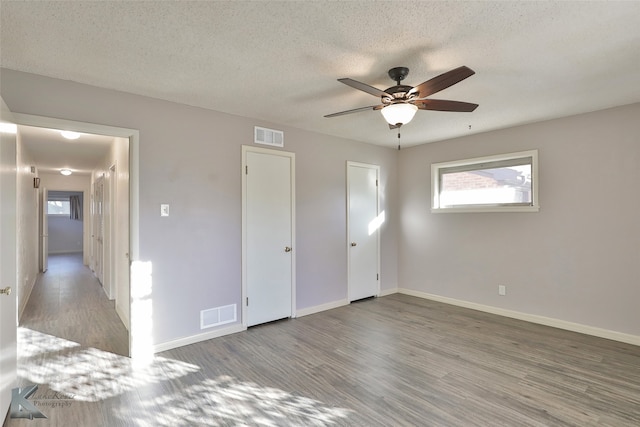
column 399, row 114
column 399, row 103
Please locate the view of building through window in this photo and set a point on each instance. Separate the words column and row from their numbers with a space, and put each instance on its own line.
column 58, row 207
column 500, row 185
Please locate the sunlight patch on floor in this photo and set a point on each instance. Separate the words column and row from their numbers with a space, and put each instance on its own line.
column 33, row 343
column 229, row 401
column 90, row 374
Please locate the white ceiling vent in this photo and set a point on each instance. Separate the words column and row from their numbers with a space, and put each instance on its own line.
column 265, row 136
column 218, row 316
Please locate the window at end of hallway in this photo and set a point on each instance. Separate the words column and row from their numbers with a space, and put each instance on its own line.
column 501, row 183
column 58, row 207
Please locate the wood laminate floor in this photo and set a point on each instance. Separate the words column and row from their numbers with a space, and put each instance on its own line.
column 391, row 361
column 69, row 302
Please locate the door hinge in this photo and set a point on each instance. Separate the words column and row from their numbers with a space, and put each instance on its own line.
column 377, row 276
column 376, row 182
column 247, row 301
column 246, row 170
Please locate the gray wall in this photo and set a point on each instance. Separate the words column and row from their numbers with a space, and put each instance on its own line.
column 190, row 158
column 65, row 234
column 27, row 225
column 576, row 260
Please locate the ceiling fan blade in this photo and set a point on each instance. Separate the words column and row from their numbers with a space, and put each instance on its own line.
column 365, row 87
column 355, row 110
column 442, row 81
column 445, row 105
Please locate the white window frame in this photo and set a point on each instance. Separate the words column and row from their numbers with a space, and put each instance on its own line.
column 435, row 184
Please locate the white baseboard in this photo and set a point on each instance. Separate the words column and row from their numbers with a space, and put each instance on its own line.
column 106, row 293
column 385, row 292
column 541, row 320
column 322, row 307
column 157, row 348
column 123, row 317
column 26, row 299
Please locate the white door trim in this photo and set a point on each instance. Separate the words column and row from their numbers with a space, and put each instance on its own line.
column 8, row 266
column 134, row 179
column 348, row 242
column 113, row 232
column 44, row 231
column 246, row 149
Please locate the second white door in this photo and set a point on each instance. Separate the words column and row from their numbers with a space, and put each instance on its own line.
column 268, row 235
column 363, row 229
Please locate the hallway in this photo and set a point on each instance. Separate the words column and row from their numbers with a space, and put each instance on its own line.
column 69, row 302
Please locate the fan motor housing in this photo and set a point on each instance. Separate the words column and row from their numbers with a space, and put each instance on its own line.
column 398, row 92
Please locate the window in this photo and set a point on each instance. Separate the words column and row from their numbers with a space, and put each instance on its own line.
column 58, row 207
column 503, row 183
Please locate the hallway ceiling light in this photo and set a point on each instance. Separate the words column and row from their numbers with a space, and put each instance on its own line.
column 65, row 172
column 8, row 128
column 69, row 134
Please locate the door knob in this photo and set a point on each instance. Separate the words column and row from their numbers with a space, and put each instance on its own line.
column 354, row 244
column 287, row 249
column 5, row 291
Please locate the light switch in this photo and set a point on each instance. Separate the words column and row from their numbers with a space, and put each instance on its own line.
column 164, row 210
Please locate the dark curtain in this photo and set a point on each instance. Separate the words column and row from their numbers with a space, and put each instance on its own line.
column 75, row 207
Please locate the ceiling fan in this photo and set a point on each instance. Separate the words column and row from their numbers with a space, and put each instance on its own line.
column 400, row 102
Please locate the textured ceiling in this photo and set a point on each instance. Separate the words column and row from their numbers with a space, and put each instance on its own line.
column 279, row 61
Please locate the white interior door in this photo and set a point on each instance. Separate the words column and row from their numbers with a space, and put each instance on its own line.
column 99, row 228
column 268, row 260
column 44, row 230
column 8, row 302
column 363, row 230
column 108, row 236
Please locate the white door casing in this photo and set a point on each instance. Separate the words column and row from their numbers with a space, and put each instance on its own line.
column 110, row 234
column 122, row 251
column 363, row 222
column 8, row 255
column 44, row 230
column 268, row 260
column 128, row 217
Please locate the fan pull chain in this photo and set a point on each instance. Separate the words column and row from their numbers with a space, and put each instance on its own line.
column 398, row 139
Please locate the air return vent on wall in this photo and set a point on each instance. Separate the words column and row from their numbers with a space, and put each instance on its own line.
column 217, row 316
column 265, row 136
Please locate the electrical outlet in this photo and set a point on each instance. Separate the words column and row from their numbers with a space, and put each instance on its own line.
column 164, row 210
column 502, row 290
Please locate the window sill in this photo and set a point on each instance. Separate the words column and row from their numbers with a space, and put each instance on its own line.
column 479, row 209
